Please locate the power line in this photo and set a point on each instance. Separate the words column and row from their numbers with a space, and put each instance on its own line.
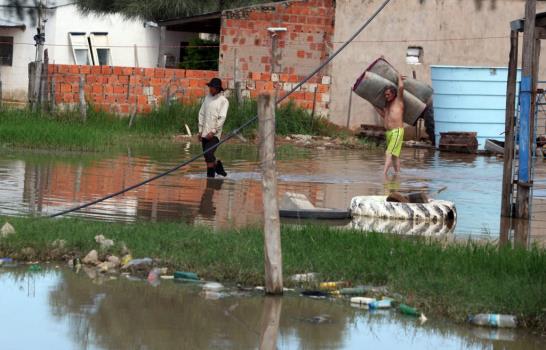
column 236, row 131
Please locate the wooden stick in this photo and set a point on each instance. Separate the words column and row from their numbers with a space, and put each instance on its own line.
column 507, row 187
column 272, row 234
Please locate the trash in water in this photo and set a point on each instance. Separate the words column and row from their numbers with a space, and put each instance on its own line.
column 186, row 276
column 212, row 287
column 126, row 259
column 408, row 310
column 260, row 288
column 319, row 319
column 171, row 277
column 304, row 277
column 212, row 295
column 380, row 304
column 333, row 285
column 494, row 320
column 92, row 258
column 6, row 261
column 153, row 277
column 138, row 262
column 34, row 268
column 314, row 294
column 423, row 319
column 353, row 291
column 362, row 300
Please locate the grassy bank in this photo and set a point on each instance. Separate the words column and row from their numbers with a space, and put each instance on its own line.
column 452, row 281
column 65, row 130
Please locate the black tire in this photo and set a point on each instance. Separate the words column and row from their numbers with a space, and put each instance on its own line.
column 428, row 116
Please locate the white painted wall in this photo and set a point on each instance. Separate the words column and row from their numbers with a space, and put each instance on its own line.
column 123, row 34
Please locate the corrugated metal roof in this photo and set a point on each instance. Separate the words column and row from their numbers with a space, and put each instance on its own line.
column 6, row 23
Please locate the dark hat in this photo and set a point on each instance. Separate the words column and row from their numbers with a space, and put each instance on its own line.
column 216, row 83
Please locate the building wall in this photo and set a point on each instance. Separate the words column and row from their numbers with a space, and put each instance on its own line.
column 123, row 34
column 245, row 43
column 122, row 89
column 451, row 32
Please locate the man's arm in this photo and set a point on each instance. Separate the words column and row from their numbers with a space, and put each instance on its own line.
column 380, row 111
column 201, row 120
column 401, row 79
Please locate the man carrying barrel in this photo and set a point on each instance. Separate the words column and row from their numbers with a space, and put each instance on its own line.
column 393, row 116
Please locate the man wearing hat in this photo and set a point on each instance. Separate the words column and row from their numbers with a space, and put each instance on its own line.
column 212, row 116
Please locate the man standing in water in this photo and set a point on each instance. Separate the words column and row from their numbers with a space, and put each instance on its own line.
column 393, row 115
column 212, row 116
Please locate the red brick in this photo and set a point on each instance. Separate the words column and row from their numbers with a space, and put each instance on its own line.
column 159, row 73
column 96, row 70
column 124, row 79
column 68, row 98
column 107, row 70
column 66, row 88
column 180, row 73
column 169, row 73
column 301, row 54
column 323, row 88
column 309, row 96
column 85, row 69
column 120, row 90
column 117, row 70
column 108, row 89
column 97, row 89
column 196, row 83
column 127, row 71
column 124, row 108
column 142, row 100
column 265, row 76
column 149, row 72
column 255, row 76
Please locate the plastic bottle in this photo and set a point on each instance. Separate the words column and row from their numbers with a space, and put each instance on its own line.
column 186, row 275
column 352, row 291
column 362, row 300
column 494, row 320
column 408, row 310
column 380, row 304
column 333, row 285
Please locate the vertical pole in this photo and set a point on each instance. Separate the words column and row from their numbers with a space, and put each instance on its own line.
column 314, row 105
column 350, row 108
column 83, row 105
column 270, row 323
column 507, row 186
column 239, row 92
column 526, row 94
column 272, row 235
column 1, row 97
column 160, row 56
column 536, row 63
column 136, row 55
column 52, row 94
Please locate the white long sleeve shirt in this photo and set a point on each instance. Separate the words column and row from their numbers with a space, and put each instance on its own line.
column 212, row 115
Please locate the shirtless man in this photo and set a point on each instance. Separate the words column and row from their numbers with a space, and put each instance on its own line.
column 393, row 115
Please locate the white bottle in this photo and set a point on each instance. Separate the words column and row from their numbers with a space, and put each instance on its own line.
column 494, row 320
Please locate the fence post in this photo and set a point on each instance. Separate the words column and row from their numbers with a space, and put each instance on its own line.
column 83, row 104
column 52, row 94
column 272, row 234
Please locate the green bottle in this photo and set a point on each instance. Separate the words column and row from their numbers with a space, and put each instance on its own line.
column 186, row 276
column 408, row 310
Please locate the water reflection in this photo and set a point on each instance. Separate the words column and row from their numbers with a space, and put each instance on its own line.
column 40, row 184
column 71, row 311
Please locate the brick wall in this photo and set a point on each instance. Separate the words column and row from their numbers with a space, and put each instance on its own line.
column 124, row 89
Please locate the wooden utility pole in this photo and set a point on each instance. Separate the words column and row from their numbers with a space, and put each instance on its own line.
column 526, row 93
column 270, row 323
column 507, row 185
column 161, row 51
column 272, row 232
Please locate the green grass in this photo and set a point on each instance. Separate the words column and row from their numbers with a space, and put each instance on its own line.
column 446, row 280
column 102, row 131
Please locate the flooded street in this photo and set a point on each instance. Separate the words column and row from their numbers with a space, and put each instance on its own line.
column 45, row 183
column 64, row 310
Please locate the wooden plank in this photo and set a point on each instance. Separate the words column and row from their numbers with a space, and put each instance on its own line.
column 272, row 232
column 506, row 206
column 522, row 208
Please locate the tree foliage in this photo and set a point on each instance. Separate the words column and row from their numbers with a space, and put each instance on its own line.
column 161, row 9
column 199, row 56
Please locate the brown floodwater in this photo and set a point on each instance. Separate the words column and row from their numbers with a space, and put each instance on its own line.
column 61, row 309
column 44, row 183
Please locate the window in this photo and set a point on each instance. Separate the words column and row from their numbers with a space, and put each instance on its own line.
column 414, row 55
column 6, row 50
column 80, row 48
column 100, row 49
